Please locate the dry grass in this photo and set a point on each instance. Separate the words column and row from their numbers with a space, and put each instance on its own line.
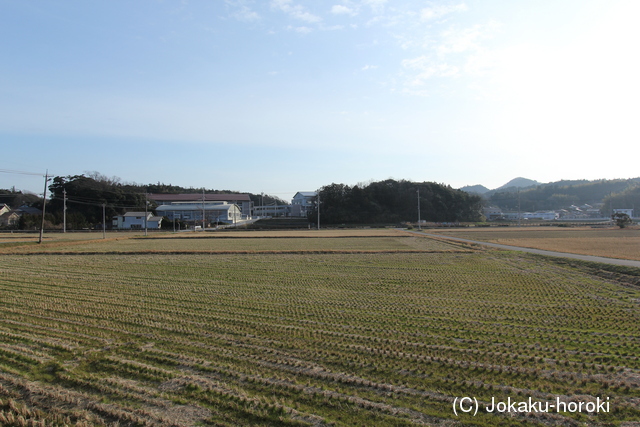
column 277, row 242
column 363, row 232
column 223, row 242
column 384, row 339
column 606, row 242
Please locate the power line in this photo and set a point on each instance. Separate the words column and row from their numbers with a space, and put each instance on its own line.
column 15, row 172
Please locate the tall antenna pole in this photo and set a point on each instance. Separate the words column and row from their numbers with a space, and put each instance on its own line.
column 202, row 208
column 610, row 204
column 419, row 224
column 318, row 209
column 519, row 214
column 146, row 204
column 64, row 210
column 44, row 204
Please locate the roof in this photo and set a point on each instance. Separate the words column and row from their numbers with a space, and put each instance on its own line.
column 9, row 215
column 28, row 210
column 198, row 197
column 306, row 193
column 134, row 214
column 197, row 208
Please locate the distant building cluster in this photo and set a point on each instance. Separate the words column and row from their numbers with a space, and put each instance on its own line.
column 193, row 209
column 211, row 209
column 583, row 212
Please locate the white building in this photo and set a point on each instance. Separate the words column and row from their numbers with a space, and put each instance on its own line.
column 241, row 200
column 492, row 213
column 218, row 212
column 272, row 210
column 543, row 215
column 136, row 221
column 539, row 215
column 302, row 203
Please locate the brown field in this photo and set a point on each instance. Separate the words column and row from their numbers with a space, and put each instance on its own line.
column 605, row 242
column 9, row 237
column 334, row 241
column 381, row 328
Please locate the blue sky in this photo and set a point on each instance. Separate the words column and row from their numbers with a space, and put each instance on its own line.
column 288, row 95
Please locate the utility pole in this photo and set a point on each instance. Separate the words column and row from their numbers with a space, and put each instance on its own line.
column 203, row 209
column 64, row 210
column 44, row 204
column 610, row 205
column 146, row 204
column 519, row 214
column 104, row 222
column 419, row 224
column 318, row 209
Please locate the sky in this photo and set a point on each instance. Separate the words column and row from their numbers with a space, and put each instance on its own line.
column 280, row 96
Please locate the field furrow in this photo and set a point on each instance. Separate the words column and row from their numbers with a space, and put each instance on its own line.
column 311, row 339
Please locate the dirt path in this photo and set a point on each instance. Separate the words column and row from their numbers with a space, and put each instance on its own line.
column 614, row 261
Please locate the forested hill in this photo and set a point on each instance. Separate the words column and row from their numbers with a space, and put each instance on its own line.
column 617, row 193
column 393, row 201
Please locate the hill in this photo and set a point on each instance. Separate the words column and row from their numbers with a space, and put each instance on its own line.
column 477, row 189
column 615, row 194
column 519, row 183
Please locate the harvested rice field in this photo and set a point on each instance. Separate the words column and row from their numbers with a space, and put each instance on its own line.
column 377, row 330
column 392, row 240
column 604, row 242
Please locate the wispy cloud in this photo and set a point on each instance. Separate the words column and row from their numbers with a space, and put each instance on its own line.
column 423, row 68
column 301, row 30
column 377, row 6
column 241, row 11
column 340, row 9
column 452, row 51
column 457, row 40
column 438, row 11
column 295, row 11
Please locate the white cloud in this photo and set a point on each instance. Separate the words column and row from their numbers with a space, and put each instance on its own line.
column 377, row 6
column 295, row 11
column 423, row 68
column 452, row 52
column 369, row 67
column 456, row 40
column 339, row 9
column 303, row 30
column 438, row 11
column 243, row 12
column 247, row 15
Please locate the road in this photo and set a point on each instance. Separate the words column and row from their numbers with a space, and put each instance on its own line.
column 613, row 261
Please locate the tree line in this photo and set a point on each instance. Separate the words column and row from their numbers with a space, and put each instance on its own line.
column 393, row 202
column 381, row 202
